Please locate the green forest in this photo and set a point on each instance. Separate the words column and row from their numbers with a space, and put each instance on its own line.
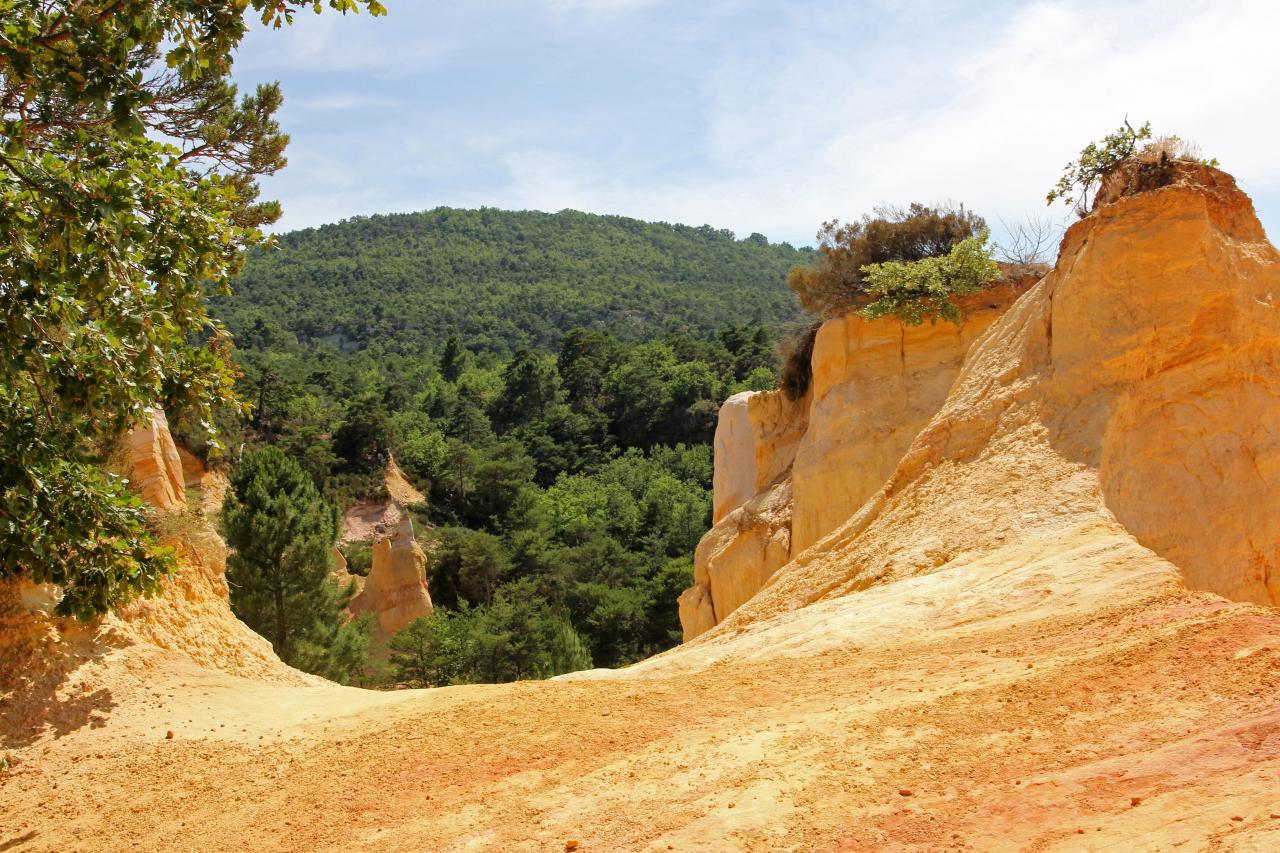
column 503, row 280
column 550, row 382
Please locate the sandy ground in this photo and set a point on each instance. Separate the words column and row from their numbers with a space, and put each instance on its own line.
column 975, row 708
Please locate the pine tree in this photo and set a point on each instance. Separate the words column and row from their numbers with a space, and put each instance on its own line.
column 282, row 534
column 453, row 360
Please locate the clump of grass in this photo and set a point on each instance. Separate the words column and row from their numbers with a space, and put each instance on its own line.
column 359, row 556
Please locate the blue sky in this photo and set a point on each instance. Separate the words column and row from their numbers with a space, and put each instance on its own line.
column 751, row 115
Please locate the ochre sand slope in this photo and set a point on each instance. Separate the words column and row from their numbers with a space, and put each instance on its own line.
column 999, row 651
column 1016, row 706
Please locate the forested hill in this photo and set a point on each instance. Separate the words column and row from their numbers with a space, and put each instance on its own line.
column 506, row 279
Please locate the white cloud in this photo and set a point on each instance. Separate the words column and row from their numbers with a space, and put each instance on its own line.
column 989, row 119
column 797, row 112
column 598, row 7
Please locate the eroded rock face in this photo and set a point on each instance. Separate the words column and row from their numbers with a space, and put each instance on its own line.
column 876, row 384
column 1122, row 410
column 757, row 433
column 395, row 591
column 154, row 466
column 188, row 623
column 192, row 615
column 789, row 472
column 736, row 558
column 1176, row 329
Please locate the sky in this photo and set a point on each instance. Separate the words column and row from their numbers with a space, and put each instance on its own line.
column 767, row 117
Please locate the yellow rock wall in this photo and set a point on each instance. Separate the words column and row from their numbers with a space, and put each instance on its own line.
column 1122, row 410
column 757, row 433
column 189, row 624
column 876, row 383
column 789, row 472
column 395, row 591
column 154, row 466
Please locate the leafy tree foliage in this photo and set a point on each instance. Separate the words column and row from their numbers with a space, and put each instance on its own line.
column 128, row 170
column 913, row 290
column 579, row 477
column 549, row 382
column 1119, row 165
column 836, row 281
column 281, row 533
column 504, row 280
column 466, row 565
column 515, row 637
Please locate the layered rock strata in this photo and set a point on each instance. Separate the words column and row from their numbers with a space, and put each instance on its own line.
column 189, row 623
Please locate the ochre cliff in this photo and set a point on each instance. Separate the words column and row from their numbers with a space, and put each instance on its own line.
column 787, row 473
column 875, row 386
column 759, row 431
column 154, row 466
column 1133, row 390
column 1016, row 642
column 395, row 592
column 189, row 624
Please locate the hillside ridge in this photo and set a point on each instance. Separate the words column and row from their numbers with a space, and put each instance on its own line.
column 504, row 279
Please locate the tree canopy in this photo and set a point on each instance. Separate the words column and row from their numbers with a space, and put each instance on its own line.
column 503, row 281
column 913, row 290
column 566, row 489
column 128, row 192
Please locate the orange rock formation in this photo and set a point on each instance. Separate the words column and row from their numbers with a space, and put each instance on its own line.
column 395, row 591
column 788, row 473
column 154, row 466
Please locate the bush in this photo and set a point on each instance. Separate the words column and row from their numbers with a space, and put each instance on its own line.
column 796, row 354
column 836, row 281
column 914, row 290
column 431, row 651
column 1118, row 166
column 1096, row 159
column 359, row 557
column 348, row 489
column 518, row 636
column 466, row 566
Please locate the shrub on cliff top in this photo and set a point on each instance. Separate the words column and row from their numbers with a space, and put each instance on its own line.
column 1123, row 162
column 837, row 281
column 796, row 353
column 914, row 290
